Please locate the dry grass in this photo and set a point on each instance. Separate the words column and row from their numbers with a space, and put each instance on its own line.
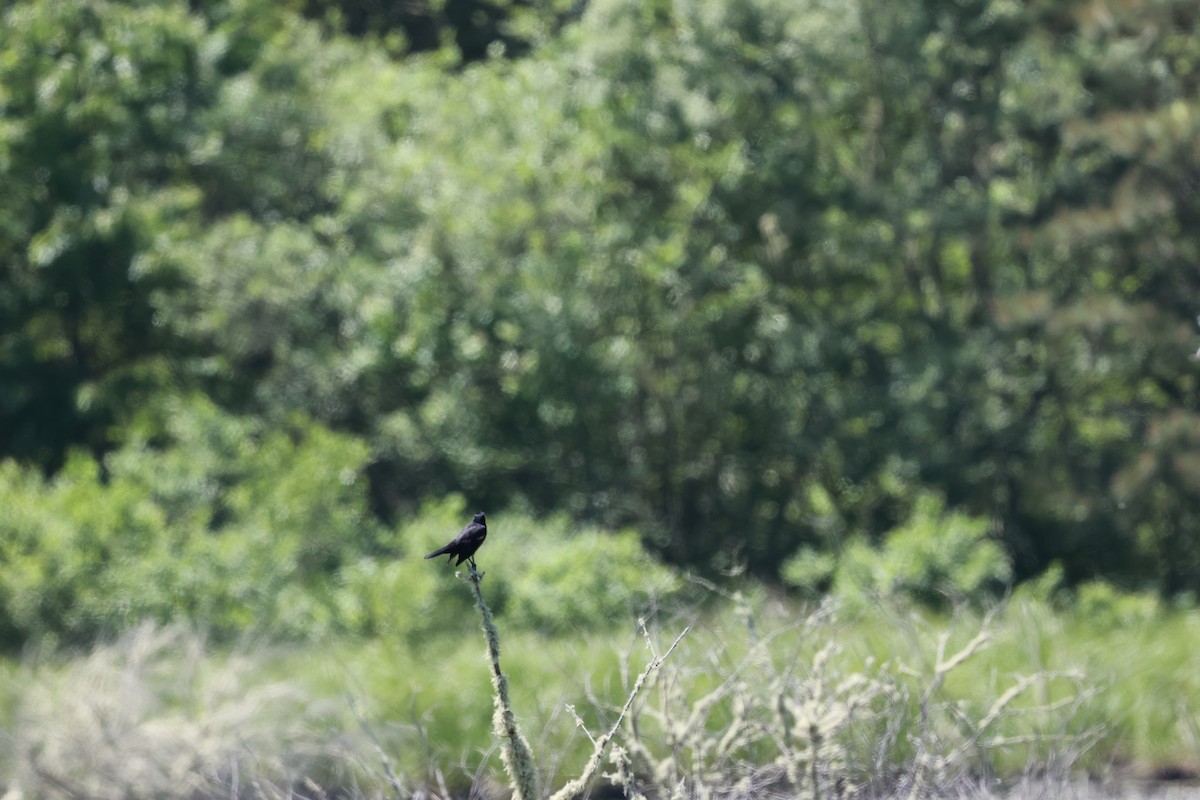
column 151, row 716
column 786, row 713
column 789, row 718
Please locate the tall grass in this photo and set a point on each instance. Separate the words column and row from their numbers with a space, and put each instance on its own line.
column 763, row 698
column 155, row 715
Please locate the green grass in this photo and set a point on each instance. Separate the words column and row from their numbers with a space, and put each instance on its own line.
column 426, row 708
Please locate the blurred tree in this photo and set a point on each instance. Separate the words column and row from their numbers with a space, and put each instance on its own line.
column 751, row 276
column 122, row 124
column 95, row 105
column 1096, row 323
column 470, row 27
column 748, row 274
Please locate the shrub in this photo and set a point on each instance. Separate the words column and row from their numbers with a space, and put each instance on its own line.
column 936, row 558
column 209, row 520
column 810, row 570
column 408, row 597
column 63, row 544
column 584, row 580
column 1105, row 606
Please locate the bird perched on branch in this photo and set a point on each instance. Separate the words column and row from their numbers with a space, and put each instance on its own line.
column 466, row 543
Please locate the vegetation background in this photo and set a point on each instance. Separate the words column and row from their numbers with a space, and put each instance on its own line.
column 869, row 302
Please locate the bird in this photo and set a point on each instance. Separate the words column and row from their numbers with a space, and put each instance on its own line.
column 466, row 543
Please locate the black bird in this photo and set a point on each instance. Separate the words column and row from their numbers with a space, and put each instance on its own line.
column 466, row 543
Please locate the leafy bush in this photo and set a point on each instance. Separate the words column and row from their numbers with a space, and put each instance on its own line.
column 217, row 522
column 937, row 558
column 544, row 575
column 409, row 597
column 583, row 579
column 211, row 519
column 810, row 570
column 1101, row 604
column 65, row 544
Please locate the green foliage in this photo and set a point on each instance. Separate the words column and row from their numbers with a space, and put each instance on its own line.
column 797, row 303
column 96, row 102
column 274, row 516
column 1047, row 589
column 408, row 598
column 59, row 543
column 936, row 559
column 218, row 523
column 123, row 123
column 458, row 30
column 750, row 277
column 584, row 580
column 1101, row 604
column 810, row 570
column 549, row 576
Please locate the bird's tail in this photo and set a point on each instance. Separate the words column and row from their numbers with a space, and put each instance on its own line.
column 439, row 552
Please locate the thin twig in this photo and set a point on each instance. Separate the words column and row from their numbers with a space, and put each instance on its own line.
column 575, row 787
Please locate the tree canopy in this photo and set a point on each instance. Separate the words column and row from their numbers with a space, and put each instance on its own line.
column 757, row 278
